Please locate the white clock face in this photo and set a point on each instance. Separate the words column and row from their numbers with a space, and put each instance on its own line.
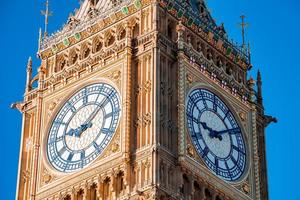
column 83, row 127
column 216, row 134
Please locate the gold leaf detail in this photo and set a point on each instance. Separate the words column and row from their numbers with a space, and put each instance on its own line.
column 52, row 106
column 115, row 147
column 190, row 151
column 243, row 116
column 46, row 178
column 246, row 188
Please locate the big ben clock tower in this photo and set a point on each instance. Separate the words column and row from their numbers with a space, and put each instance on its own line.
column 142, row 99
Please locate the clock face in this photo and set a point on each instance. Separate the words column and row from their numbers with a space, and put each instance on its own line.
column 216, row 135
column 83, row 127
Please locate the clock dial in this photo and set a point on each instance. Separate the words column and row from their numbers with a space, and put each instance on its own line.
column 216, row 134
column 83, row 127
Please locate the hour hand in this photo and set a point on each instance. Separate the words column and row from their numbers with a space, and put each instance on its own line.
column 206, row 127
column 72, row 132
column 78, row 131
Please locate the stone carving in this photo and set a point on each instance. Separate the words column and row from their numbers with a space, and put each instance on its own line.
column 115, row 76
column 243, row 116
column 29, row 144
column 190, row 151
column 246, row 188
column 189, row 79
column 115, row 147
column 26, row 175
column 46, row 177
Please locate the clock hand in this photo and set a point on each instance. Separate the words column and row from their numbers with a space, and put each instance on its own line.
column 88, row 122
column 218, row 134
column 211, row 131
column 233, row 130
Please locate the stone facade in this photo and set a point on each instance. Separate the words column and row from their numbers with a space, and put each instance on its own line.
column 153, row 54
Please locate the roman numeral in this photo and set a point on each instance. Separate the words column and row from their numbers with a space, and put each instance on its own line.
column 215, row 106
column 71, row 107
column 205, row 152
column 59, row 122
column 217, row 165
column 192, row 118
column 226, row 114
column 106, row 131
column 82, row 155
column 62, row 151
column 194, row 103
column 70, row 156
column 116, row 112
column 238, row 149
column 228, row 170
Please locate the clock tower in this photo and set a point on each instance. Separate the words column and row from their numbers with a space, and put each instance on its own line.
column 142, row 99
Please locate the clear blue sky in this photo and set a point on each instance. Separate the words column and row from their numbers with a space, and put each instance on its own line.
column 274, row 37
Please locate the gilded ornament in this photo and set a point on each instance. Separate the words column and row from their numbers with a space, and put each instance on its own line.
column 242, row 116
column 246, row 188
column 47, row 178
column 190, row 151
column 115, row 147
column 52, row 106
column 116, row 76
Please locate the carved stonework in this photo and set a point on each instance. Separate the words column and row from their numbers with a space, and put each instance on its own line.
column 189, row 79
column 243, row 116
column 26, row 176
column 46, row 177
column 115, row 76
column 29, row 144
column 115, row 147
column 190, row 151
column 246, row 188
column 53, row 105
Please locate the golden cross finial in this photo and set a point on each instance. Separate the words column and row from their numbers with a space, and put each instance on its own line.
column 243, row 25
column 47, row 14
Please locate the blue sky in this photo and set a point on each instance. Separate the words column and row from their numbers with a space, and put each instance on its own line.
column 273, row 34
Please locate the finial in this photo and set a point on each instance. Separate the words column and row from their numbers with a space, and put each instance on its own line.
column 40, row 39
column 259, row 89
column 243, row 25
column 47, row 14
column 29, row 63
column 29, row 75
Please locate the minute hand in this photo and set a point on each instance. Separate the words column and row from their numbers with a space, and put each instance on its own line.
column 233, row 130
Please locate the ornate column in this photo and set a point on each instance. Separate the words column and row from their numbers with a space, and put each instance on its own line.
column 113, row 185
column 85, row 191
column 36, row 140
column 29, row 75
column 73, row 194
column 127, row 93
column 100, row 188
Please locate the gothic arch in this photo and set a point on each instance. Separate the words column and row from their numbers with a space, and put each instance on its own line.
column 96, row 44
column 85, row 50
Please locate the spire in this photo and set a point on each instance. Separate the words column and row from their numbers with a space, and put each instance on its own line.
column 29, row 75
column 40, row 39
column 47, row 14
column 259, row 89
column 243, row 25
